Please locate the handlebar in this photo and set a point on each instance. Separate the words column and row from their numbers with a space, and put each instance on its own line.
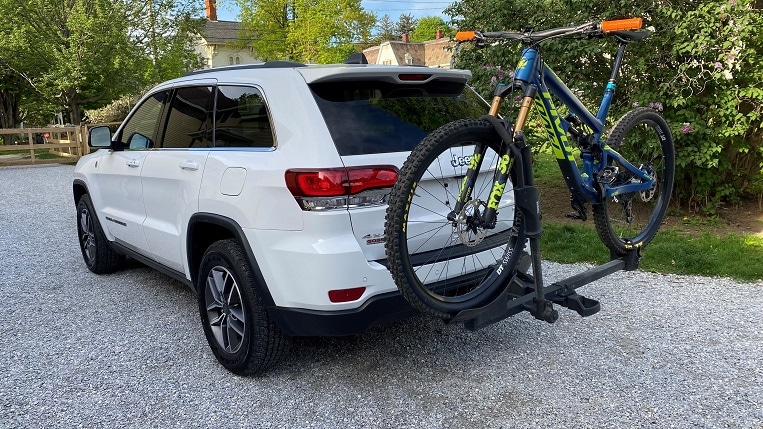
column 588, row 29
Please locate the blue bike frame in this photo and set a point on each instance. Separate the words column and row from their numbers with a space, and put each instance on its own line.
column 532, row 71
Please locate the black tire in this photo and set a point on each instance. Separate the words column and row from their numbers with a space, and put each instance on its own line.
column 629, row 221
column 99, row 257
column 239, row 330
column 431, row 264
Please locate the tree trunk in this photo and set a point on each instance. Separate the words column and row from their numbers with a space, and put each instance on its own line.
column 75, row 112
column 10, row 114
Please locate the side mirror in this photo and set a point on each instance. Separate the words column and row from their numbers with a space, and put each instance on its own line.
column 139, row 141
column 99, row 137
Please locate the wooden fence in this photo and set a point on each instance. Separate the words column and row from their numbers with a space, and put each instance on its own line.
column 26, row 146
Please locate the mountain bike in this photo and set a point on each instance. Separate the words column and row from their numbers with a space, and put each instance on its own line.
column 464, row 216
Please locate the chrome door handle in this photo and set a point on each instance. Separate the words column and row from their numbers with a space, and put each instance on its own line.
column 189, row 165
column 133, row 163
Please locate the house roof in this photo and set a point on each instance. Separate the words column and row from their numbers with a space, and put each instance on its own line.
column 372, row 54
column 221, row 32
column 433, row 53
column 438, row 52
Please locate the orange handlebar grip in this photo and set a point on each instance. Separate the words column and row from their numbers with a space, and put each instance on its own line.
column 621, row 24
column 465, row 36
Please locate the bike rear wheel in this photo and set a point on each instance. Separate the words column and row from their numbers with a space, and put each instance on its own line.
column 629, row 221
column 444, row 266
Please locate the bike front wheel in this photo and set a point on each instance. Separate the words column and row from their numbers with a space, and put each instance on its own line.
column 629, row 221
column 444, row 266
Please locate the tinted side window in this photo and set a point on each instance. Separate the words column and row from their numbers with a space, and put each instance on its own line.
column 189, row 124
column 140, row 131
column 379, row 117
column 241, row 118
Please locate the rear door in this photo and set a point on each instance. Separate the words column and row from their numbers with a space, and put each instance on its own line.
column 171, row 176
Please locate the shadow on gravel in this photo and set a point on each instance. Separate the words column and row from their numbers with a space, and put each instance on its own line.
column 420, row 344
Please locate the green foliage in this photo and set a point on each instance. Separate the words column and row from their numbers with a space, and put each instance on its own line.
column 116, row 111
column 386, row 30
column 78, row 54
column 163, row 31
column 406, row 24
column 702, row 66
column 427, row 29
column 314, row 31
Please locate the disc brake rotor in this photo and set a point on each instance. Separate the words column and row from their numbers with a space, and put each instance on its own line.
column 466, row 224
column 648, row 194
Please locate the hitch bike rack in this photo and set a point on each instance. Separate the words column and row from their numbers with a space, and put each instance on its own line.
column 520, row 295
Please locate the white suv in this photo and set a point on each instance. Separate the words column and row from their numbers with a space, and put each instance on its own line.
column 263, row 187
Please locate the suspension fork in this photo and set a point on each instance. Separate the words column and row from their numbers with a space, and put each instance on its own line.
column 526, row 197
column 514, row 145
column 475, row 163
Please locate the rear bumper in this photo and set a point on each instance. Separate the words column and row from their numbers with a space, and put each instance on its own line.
column 377, row 310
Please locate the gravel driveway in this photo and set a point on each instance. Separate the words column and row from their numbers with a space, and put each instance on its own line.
column 127, row 350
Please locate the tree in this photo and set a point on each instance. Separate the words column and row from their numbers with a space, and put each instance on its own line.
column 427, row 29
column 702, row 66
column 164, row 31
column 85, row 53
column 406, row 24
column 10, row 99
column 386, row 30
column 76, row 52
column 322, row 31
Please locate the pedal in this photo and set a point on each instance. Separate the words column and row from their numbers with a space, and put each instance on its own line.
column 578, row 303
column 575, row 215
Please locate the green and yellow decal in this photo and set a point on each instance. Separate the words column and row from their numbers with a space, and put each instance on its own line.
column 498, row 187
column 466, row 187
column 556, row 133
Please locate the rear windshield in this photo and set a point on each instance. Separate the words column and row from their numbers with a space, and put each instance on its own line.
column 370, row 117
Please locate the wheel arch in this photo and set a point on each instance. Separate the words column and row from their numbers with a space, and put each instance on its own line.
column 207, row 228
column 79, row 188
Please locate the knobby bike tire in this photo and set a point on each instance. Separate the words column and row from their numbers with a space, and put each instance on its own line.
column 629, row 221
column 443, row 267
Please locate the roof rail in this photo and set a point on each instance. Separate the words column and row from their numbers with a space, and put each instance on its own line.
column 265, row 65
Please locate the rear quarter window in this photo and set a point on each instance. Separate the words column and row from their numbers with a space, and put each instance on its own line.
column 369, row 117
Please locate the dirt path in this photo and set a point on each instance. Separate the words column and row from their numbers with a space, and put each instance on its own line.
column 745, row 219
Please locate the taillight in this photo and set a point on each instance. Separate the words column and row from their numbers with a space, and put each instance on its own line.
column 340, row 188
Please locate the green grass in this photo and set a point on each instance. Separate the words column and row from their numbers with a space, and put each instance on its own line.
column 705, row 253
column 671, row 251
column 38, row 153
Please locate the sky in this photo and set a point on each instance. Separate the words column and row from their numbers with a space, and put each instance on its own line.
column 228, row 11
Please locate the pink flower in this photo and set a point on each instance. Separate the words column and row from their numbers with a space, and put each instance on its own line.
column 635, row 104
column 686, row 128
column 718, row 64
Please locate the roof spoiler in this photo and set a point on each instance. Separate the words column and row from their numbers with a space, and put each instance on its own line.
column 357, row 58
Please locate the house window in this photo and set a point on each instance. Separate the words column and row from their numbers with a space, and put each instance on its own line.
column 238, row 59
column 230, row 60
column 387, row 62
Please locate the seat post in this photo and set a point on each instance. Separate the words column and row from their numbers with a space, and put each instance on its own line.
column 618, row 61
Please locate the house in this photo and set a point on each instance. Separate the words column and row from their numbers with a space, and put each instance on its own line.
column 433, row 53
column 218, row 44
